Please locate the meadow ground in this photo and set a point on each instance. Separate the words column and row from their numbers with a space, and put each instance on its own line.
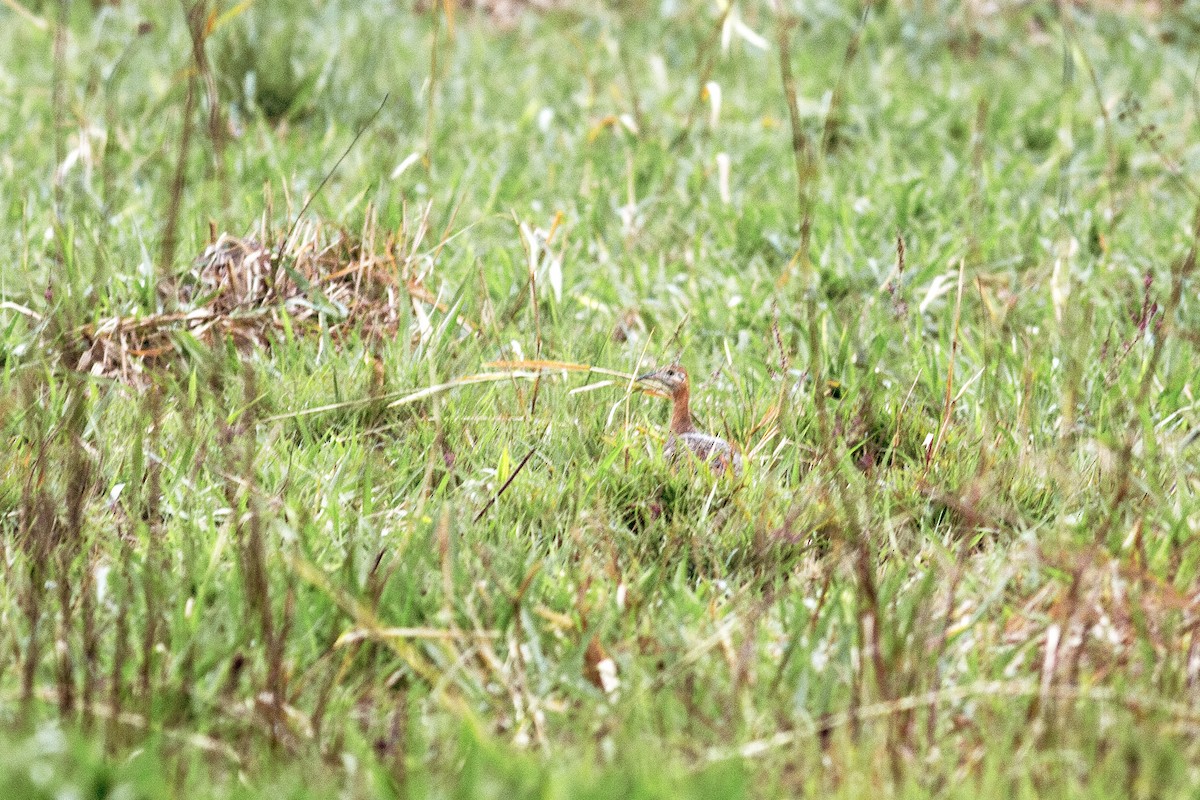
column 304, row 492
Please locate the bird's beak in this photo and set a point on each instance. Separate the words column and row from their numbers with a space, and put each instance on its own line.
column 654, row 383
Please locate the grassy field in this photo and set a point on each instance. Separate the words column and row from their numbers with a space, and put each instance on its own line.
column 307, row 490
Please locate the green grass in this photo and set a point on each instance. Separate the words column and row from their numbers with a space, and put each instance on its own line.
column 904, row 597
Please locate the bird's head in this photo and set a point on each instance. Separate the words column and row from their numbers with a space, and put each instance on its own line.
column 670, row 379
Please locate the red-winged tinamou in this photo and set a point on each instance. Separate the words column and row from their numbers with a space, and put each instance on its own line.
column 714, row 450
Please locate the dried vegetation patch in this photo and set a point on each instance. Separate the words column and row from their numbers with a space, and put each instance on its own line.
column 320, row 279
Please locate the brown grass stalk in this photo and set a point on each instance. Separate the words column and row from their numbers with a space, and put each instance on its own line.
column 492, row 500
column 706, row 61
column 241, row 494
column 197, row 19
column 58, row 100
column 805, row 161
column 829, row 132
column 1180, row 272
column 948, row 400
column 151, row 505
column 216, row 125
column 34, row 541
column 69, row 543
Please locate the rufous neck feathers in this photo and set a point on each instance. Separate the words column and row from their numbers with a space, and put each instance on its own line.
column 681, row 415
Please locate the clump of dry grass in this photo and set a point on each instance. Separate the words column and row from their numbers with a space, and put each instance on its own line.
column 320, row 279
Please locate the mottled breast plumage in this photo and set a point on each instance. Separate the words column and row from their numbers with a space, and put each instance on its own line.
column 712, row 449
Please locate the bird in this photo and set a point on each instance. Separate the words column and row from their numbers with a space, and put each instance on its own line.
column 713, row 450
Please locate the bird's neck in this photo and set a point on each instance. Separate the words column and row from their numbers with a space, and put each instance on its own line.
column 681, row 415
